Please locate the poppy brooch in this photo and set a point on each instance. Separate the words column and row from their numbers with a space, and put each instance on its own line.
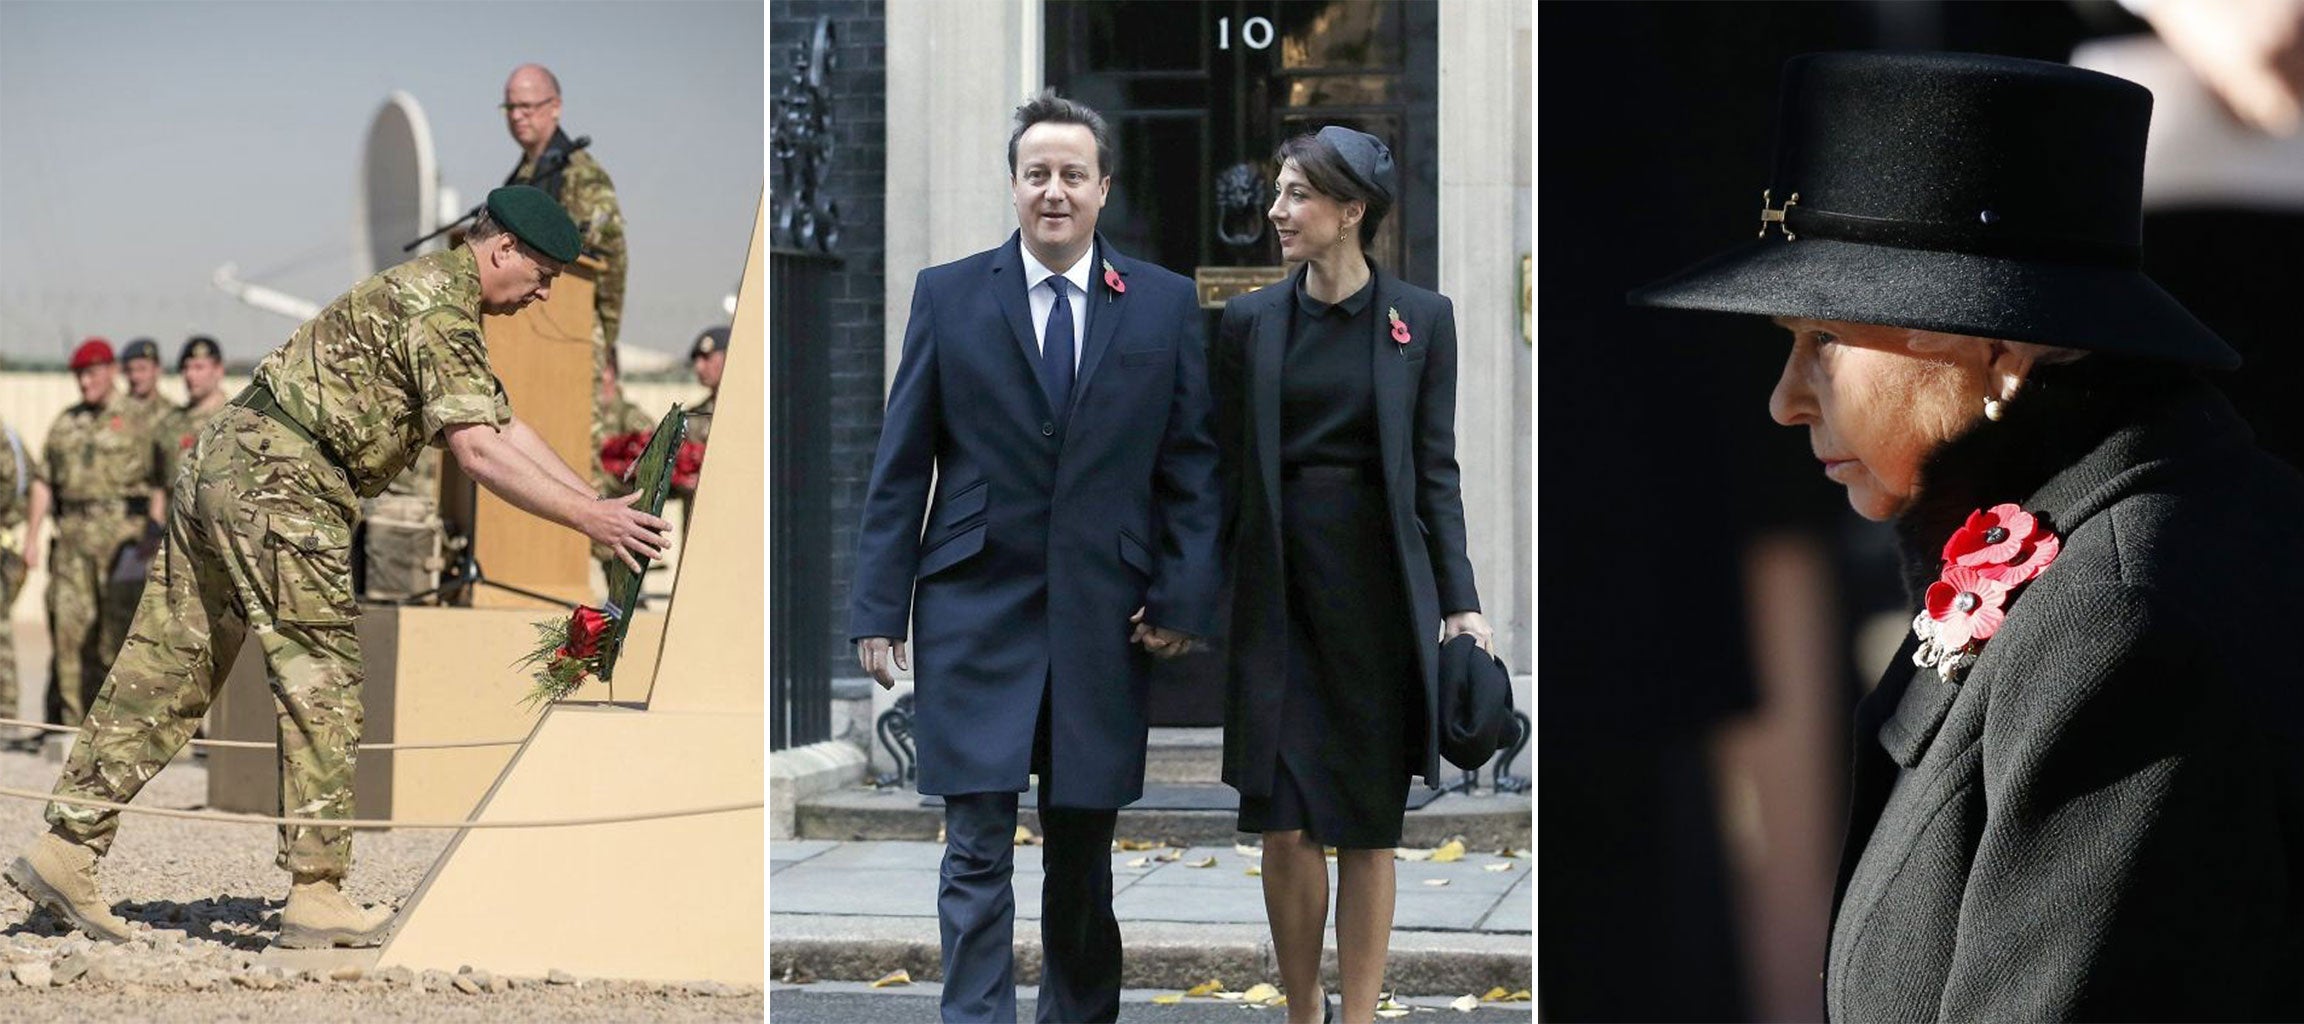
column 1996, row 552
column 1112, row 281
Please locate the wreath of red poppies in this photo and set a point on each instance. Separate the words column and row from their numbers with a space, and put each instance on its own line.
column 1994, row 554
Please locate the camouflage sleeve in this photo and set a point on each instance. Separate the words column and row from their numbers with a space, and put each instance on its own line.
column 452, row 375
column 591, row 201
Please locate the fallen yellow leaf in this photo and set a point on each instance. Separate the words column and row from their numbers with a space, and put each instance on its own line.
column 1255, row 872
column 1139, row 862
column 1406, row 853
column 898, row 976
column 1496, row 994
column 1136, row 844
column 1230, row 996
column 1168, row 856
column 1452, row 850
column 1465, row 1004
column 1205, row 988
column 1390, row 1014
column 1262, row 991
column 1521, row 996
column 1507, row 852
column 1386, row 1002
column 1024, row 836
column 1168, row 999
column 1251, row 852
column 1435, row 882
column 1204, row 862
column 1502, row 865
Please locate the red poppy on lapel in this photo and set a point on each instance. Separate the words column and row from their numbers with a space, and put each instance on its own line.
column 1399, row 326
column 1112, row 280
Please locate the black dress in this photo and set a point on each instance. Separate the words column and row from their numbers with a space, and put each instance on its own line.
column 1351, row 713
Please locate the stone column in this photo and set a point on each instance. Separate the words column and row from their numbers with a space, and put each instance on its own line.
column 1484, row 126
column 956, row 72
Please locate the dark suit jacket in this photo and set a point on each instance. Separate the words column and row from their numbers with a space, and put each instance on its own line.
column 1049, row 527
column 1416, row 433
column 2105, row 817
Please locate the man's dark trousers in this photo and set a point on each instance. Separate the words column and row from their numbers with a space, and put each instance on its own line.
column 976, row 911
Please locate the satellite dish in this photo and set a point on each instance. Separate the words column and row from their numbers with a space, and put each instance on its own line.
column 399, row 187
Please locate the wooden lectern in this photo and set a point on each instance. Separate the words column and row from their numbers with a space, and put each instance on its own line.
column 543, row 354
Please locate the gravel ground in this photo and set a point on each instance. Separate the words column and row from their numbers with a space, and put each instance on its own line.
column 209, row 898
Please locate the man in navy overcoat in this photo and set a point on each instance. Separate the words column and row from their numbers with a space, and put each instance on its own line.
column 1052, row 398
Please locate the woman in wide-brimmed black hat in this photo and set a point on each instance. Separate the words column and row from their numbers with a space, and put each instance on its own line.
column 2079, row 789
column 1335, row 395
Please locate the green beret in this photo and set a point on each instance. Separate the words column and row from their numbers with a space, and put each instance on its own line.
column 141, row 348
column 537, row 219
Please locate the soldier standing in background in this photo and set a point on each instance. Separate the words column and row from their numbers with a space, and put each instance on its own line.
column 97, row 472
column 707, row 356
column 550, row 161
column 201, row 365
column 148, row 412
column 619, row 417
column 260, row 547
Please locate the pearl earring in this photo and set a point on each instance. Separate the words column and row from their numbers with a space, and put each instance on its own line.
column 1994, row 409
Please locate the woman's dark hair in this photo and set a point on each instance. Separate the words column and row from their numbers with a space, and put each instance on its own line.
column 1325, row 170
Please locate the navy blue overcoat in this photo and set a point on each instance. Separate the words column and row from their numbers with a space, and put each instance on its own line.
column 1045, row 528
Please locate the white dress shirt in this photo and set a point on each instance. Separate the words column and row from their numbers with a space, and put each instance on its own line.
column 1036, row 277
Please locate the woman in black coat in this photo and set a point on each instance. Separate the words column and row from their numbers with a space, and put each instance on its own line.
column 1335, row 404
column 2079, row 789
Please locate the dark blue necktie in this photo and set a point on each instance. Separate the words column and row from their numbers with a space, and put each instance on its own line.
column 1056, row 348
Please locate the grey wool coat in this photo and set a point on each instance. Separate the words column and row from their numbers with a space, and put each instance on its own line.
column 2104, row 818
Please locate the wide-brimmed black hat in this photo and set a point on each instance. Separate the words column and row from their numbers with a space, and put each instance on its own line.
column 1959, row 193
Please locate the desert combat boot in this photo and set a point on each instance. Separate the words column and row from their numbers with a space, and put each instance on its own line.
column 320, row 916
column 60, row 875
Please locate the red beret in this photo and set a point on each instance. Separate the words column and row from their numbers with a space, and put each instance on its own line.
column 93, row 352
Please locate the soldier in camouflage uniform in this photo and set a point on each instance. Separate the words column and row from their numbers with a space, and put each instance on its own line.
column 259, row 548
column 707, row 356
column 550, row 161
column 201, row 365
column 97, row 473
column 613, row 415
column 15, row 495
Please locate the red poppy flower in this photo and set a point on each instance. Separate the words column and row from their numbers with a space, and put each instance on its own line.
column 1967, row 605
column 687, row 463
column 1399, row 326
column 2004, row 543
column 617, row 454
column 1112, row 279
column 586, row 628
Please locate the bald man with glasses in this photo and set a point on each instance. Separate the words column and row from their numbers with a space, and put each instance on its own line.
column 550, row 161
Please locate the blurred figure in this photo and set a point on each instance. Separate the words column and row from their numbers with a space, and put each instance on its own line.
column 97, row 473
column 706, row 357
column 16, row 470
column 201, row 366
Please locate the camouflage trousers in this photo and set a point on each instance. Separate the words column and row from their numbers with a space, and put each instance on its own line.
column 88, row 611
column 259, row 545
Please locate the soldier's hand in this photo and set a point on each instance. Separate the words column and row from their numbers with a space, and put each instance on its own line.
column 629, row 532
column 1158, row 641
column 873, row 653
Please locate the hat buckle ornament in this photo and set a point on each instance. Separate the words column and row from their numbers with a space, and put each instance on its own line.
column 1776, row 216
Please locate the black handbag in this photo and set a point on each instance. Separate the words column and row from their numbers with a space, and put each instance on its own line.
column 1475, row 704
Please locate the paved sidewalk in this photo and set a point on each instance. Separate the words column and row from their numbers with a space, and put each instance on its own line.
column 855, row 911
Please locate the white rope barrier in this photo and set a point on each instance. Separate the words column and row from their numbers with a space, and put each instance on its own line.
column 379, row 824
column 261, row 745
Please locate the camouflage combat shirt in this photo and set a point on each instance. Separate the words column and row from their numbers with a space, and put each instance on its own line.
column 177, row 433
column 388, row 364
column 100, row 452
column 15, row 483
column 590, row 199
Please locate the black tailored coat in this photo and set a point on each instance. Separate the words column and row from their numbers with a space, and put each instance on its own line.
column 1045, row 528
column 1415, row 388
column 2104, row 818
